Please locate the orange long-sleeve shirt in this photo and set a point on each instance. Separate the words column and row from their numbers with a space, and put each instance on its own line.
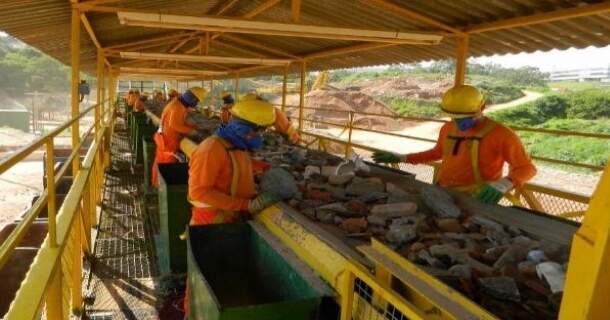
column 211, row 174
column 173, row 124
column 498, row 146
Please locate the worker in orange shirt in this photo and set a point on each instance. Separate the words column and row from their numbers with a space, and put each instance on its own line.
column 221, row 180
column 473, row 150
column 282, row 123
column 173, row 128
column 172, row 93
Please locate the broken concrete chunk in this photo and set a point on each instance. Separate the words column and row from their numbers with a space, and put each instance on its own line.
column 460, row 256
column 463, row 271
column 314, row 194
column 430, row 260
column 399, row 234
column 440, row 202
column 335, row 207
column 354, row 225
column 297, row 156
column 328, row 171
column 395, row 210
column 527, row 268
column 339, row 180
column 325, row 216
column 504, row 288
column 513, row 255
column 449, row 225
column 373, row 197
column 279, row 182
column 376, row 220
column 355, row 207
column 310, row 171
column 310, row 212
column 392, row 188
column 364, row 187
column 536, row 256
column 487, row 223
column 553, row 274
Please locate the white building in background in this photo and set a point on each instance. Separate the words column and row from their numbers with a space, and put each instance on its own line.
column 601, row 74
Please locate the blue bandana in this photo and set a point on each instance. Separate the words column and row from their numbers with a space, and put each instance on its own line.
column 188, row 99
column 237, row 132
column 464, row 124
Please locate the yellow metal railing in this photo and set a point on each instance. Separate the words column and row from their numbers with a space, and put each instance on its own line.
column 534, row 196
column 55, row 276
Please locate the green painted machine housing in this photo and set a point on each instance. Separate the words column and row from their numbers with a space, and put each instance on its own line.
column 149, row 147
column 141, row 127
column 235, row 271
column 174, row 215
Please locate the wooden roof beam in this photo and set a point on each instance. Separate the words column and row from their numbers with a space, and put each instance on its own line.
column 163, row 71
column 204, row 59
column 206, row 23
column 346, row 50
column 561, row 14
column 258, row 45
column 408, row 13
column 89, row 30
column 153, row 40
column 296, row 10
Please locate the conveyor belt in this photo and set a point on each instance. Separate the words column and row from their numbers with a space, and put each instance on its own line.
column 124, row 272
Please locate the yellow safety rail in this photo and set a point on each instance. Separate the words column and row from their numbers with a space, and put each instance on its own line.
column 541, row 198
column 55, row 275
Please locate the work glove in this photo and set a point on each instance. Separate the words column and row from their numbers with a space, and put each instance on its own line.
column 262, row 202
column 387, row 157
column 293, row 135
column 492, row 192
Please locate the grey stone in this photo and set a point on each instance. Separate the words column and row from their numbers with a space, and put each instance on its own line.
column 458, row 255
column 310, row 212
column 504, row 288
column 462, row 271
column 328, row 171
column 279, row 182
column 524, row 241
column 338, row 219
column 487, row 223
column 514, row 231
column 513, row 255
column 340, row 180
column 395, row 210
column 337, row 193
column 376, row 220
column 373, row 197
column 399, row 234
column 361, row 188
column 498, row 237
column 415, row 219
column 536, row 256
column 430, row 260
column 310, row 171
column 296, row 156
column 440, row 202
column 335, row 207
column 325, row 216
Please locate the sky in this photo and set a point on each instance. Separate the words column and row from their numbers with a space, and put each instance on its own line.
column 590, row 57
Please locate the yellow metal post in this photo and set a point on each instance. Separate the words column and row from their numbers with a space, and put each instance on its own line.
column 350, row 126
column 237, row 87
column 77, row 265
column 302, row 95
column 51, row 202
column 54, row 303
column 284, row 86
column 100, row 71
column 460, row 59
column 212, row 97
column 587, row 285
column 75, row 65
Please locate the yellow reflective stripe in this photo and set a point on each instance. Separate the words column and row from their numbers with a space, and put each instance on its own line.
column 474, row 151
column 199, row 204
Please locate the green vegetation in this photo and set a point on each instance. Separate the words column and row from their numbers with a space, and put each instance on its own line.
column 584, row 111
column 499, row 93
column 414, row 107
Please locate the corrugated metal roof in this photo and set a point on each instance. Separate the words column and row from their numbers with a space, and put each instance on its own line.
column 45, row 24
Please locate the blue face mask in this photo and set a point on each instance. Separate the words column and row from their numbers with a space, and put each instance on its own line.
column 464, row 124
column 242, row 135
column 188, row 99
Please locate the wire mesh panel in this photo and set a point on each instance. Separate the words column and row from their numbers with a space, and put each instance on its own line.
column 370, row 306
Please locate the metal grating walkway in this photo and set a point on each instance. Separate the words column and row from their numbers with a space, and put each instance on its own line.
column 123, row 282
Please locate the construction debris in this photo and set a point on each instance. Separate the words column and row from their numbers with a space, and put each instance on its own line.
column 491, row 263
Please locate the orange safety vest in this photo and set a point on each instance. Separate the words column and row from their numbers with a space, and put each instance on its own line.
column 204, row 213
column 452, row 145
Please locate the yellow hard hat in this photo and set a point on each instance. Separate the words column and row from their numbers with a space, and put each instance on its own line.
column 257, row 111
column 198, row 92
column 462, row 101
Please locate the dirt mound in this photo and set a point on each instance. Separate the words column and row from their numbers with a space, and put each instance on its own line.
column 343, row 101
column 416, row 88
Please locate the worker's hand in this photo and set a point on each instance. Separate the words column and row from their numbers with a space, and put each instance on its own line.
column 387, row 157
column 293, row 135
column 494, row 191
column 262, row 201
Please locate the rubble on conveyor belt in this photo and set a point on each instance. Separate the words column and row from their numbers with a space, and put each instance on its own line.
column 505, row 270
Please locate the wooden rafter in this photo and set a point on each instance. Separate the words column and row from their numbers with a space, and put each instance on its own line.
column 157, row 39
column 89, row 30
column 240, row 25
column 259, row 46
column 205, row 59
column 346, row 50
column 296, row 10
